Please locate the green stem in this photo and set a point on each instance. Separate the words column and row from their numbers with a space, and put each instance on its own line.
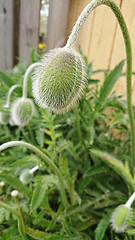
column 78, row 124
column 21, row 226
column 26, row 78
column 9, row 94
column 71, row 42
column 46, row 159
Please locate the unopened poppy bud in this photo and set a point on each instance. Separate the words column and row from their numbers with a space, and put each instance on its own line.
column 59, row 81
column 121, row 214
column 14, row 193
column 22, row 111
column 2, row 184
column 27, row 175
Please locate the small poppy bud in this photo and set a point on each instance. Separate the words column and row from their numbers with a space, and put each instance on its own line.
column 59, row 81
column 121, row 215
column 26, row 176
column 119, row 218
column 2, row 184
column 22, row 111
column 14, row 193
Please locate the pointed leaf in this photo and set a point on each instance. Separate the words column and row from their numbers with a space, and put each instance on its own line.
column 108, row 84
column 102, row 226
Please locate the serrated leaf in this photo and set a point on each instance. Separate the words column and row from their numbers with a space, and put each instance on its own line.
column 63, row 165
column 102, row 226
column 108, row 84
column 38, row 194
column 118, row 166
column 36, row 234
column 16, row 184
column 42, row 184
column 40, row 137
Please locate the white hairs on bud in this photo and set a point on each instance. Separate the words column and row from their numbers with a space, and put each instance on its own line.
column 22, row 111
column 119, row 218
column 25, row 176
column 58, row 83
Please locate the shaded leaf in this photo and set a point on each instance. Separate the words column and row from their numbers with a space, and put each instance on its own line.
column 102, row 226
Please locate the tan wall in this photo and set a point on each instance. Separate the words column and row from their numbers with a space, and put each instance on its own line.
column 101, row 38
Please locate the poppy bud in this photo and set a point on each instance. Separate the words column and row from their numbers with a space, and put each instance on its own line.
column 22, row 111
column 59, row 81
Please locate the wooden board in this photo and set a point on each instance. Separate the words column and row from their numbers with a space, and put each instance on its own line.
column 101, row 39
column 29, row 27
column 6, row 34
column 57, row 23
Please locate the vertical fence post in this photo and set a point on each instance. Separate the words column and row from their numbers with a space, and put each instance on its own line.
column 29, row 27
column 6, row 34
column 57, row 23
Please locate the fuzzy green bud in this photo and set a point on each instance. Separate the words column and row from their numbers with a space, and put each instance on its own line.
column 59, row 81
column 26, row 176
column 22, row 111
column 119, row 218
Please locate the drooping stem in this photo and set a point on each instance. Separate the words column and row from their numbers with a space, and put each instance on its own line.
column 26, row 78
column 46, row 159
column 130, row 200
column 71, row 42
column 33, row 169
column 9, row 94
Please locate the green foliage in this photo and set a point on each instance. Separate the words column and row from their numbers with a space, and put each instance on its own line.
column 91, row 148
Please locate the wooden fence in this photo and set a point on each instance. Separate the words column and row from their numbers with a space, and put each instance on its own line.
column 100, row 37
column 19, row 26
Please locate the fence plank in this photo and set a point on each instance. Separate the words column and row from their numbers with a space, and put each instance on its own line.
column 29, row 27
column 57, row 23
column 6, row 34
column 128, row 10
column 101, row 39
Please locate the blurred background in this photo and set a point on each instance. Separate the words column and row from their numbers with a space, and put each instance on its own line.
column 46, row 24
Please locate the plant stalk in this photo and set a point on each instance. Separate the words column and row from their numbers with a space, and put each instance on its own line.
column 9, row 94
column 71, row 42
column 26, row 78
column 46, row 159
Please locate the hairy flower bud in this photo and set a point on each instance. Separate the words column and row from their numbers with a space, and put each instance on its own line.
column 119, row 218
column 14, row 193
column 59, row 81
column 26, row 176
column 22, row 111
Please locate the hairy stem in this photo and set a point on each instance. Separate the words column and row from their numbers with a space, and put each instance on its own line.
column 71, row 42
column 9, row 94
column 46, row 159
column 26, row 78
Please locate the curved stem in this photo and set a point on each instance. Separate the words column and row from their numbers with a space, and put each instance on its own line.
column 26, row 78
column 46, row 159
column 119, row 16
column 130, row 200
column 9, row 94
